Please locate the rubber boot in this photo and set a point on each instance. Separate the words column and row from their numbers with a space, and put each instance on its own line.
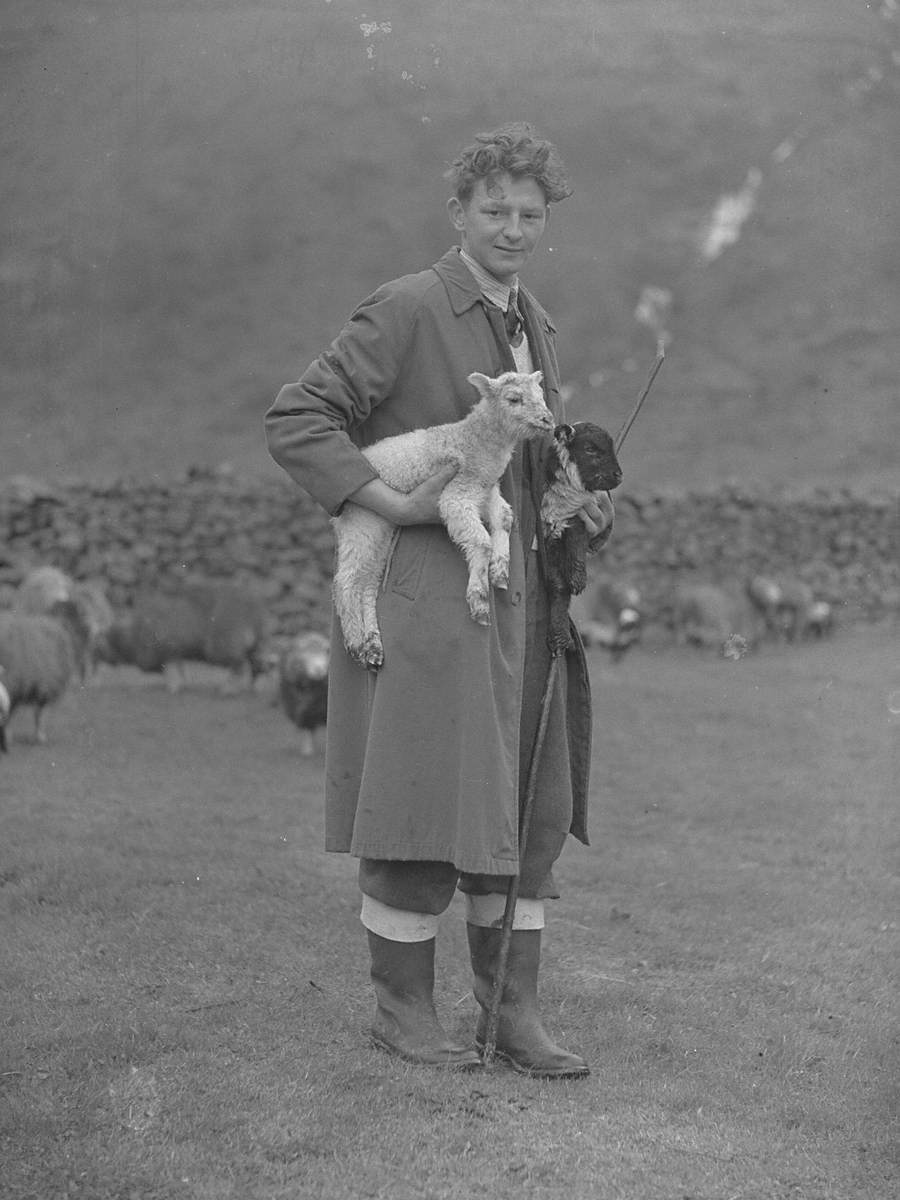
column 406, row 1023
column 522, row 1040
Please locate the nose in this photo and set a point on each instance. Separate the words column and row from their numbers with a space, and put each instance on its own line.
column 512, row 230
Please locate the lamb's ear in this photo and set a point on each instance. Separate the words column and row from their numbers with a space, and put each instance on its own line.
column 482, row 383
column 538, row 376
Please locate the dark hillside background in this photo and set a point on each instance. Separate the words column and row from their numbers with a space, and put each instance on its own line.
column 195, row 194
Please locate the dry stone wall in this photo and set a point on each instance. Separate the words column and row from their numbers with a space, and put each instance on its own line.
column 271, row 535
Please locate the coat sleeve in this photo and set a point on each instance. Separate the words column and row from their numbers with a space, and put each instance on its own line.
column 308, row 428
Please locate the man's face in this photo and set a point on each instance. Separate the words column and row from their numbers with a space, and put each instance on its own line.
column 501, row 223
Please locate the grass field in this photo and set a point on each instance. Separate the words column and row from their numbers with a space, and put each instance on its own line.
column 185, row 985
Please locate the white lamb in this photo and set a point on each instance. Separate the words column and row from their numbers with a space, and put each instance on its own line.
column 477, row 517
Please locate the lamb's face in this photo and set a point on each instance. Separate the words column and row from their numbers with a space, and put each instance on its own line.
column 520, row 396
column 591, row 450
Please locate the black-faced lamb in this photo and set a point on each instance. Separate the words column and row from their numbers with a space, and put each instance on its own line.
column 477, row 518
column 39, row 655
column 208, row 621
column 609, row 613
column 581, row 465
column 303, row 684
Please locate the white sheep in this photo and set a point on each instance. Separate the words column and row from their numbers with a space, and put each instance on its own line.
column 39, row 654
column 477, row 517
column 45, row 586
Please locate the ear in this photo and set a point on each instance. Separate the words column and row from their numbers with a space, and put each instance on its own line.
column 538, row 376
column 456, row 213
column 482, row 383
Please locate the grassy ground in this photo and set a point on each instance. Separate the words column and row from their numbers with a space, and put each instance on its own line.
column 186, row 995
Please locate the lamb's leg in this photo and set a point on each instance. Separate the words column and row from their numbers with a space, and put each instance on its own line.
column 575, row 541
column 559, row 636
column 466, row 530
column 363, row 544
column 499, row 521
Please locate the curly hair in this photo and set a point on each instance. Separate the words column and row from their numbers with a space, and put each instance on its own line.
column 515, row 149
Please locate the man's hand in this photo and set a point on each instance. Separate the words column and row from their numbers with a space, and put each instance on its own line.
column 418, row 507
column 598, row 514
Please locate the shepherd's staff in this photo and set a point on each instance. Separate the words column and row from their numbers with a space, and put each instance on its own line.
column 512, row 890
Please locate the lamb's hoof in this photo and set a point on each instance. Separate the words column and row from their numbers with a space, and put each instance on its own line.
column 498, row 573
column 479, row 608
column 369, row 654
column 559, row 641
column 373, row 652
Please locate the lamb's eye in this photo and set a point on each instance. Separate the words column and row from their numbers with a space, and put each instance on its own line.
column 514, row 397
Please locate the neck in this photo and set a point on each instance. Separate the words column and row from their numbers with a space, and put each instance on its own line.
column 485, row 278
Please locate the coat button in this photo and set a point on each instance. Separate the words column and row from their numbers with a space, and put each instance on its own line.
column 515, row 598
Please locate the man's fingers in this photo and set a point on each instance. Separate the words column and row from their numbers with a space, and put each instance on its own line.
column 597, row 513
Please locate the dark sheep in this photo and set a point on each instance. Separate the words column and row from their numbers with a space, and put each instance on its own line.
column 196, row 621
column 303, row 685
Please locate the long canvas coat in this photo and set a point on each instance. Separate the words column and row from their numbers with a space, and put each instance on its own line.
column 426, row 758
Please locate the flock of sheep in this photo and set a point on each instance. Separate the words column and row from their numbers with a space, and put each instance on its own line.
column 59, row 630
column 610, row 613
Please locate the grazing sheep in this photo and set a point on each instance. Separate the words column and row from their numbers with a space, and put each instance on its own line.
column 609, row 614
column 794, row 607
column 39, row 654
column 45, row 586
column 303, row 684
column 819, row 619
column 481, row 444
column 582, row 464
column 706, row 615
column 197, row 621
column 765, row 595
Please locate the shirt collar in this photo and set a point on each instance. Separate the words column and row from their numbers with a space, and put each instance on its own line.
column 492, row 289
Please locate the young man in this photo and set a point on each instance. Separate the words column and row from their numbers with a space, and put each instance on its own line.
column 426, row 759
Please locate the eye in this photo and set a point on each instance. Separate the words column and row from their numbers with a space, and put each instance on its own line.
column 514, row 397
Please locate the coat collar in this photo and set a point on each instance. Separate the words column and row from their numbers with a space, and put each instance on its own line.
column 464, row 292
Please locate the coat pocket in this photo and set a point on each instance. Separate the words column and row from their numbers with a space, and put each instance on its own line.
column 408, row 561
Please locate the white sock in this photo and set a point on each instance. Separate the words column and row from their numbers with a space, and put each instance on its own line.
column 487, row 911
column 396, row 924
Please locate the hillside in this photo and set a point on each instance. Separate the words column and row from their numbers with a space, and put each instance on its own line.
column 196, row 193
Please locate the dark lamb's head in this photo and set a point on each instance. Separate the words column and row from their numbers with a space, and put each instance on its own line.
column 590, row 449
